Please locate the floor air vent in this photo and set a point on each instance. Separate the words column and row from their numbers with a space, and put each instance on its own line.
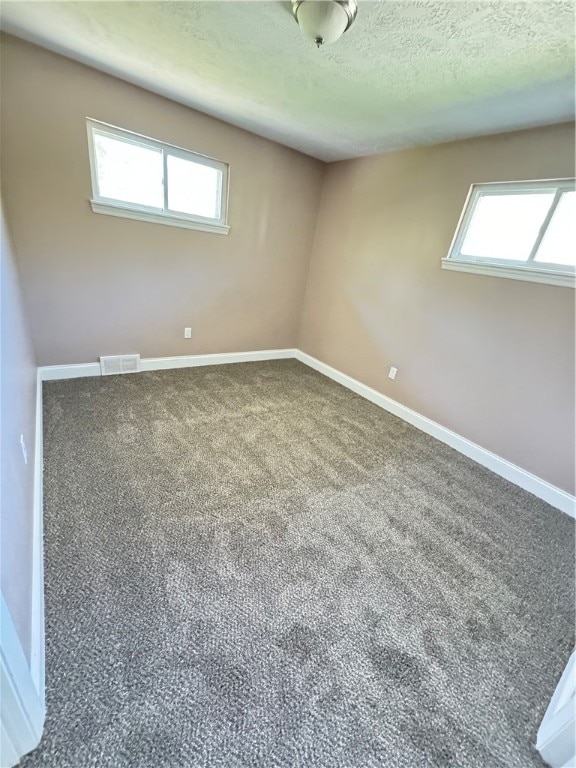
column 119, row 364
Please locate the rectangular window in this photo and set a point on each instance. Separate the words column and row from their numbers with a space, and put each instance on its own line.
column 141, row 178
column 522, row 230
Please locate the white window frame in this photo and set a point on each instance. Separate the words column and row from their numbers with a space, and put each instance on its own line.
column 529, row 270
column 113, row 207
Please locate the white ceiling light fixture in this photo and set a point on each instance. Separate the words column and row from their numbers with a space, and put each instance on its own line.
column 324, row 21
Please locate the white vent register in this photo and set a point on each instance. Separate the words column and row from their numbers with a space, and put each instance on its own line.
column 114, row 364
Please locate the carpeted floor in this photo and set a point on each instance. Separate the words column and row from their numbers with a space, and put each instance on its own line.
column 248, row 565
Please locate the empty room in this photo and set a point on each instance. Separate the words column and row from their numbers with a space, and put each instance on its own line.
column 287, row 384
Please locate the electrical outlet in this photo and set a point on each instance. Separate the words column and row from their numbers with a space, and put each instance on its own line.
column 392, row 372
column 24, row 451
column 187, row 333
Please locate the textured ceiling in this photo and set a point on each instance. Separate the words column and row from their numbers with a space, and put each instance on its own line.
column 408, row 72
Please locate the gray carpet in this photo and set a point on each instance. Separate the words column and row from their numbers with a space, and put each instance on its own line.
column 248, row 565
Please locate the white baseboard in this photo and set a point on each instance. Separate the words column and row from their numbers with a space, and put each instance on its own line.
column 22, row 712
column 540, row 488
column 192, row 361
column 74, row 371
column 37, row 628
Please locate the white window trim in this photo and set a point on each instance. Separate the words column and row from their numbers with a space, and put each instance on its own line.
column 112, row 207
column 514, row 270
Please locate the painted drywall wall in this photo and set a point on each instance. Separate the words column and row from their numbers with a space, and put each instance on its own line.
column 17, row 417
column 491, row 359
column 98, row 285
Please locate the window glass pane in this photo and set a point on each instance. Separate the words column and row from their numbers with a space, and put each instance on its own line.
column 506, row 226
column 129, row 172
column 559, row 243
column 193, row 188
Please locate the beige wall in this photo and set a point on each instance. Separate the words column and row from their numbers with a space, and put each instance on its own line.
column 491, row 359
column 17, row 417
column 96, row 284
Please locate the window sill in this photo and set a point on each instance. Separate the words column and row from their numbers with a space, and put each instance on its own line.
column 532, row 275
column 159, row 218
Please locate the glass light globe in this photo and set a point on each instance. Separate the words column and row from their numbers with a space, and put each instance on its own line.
column 322, row 21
